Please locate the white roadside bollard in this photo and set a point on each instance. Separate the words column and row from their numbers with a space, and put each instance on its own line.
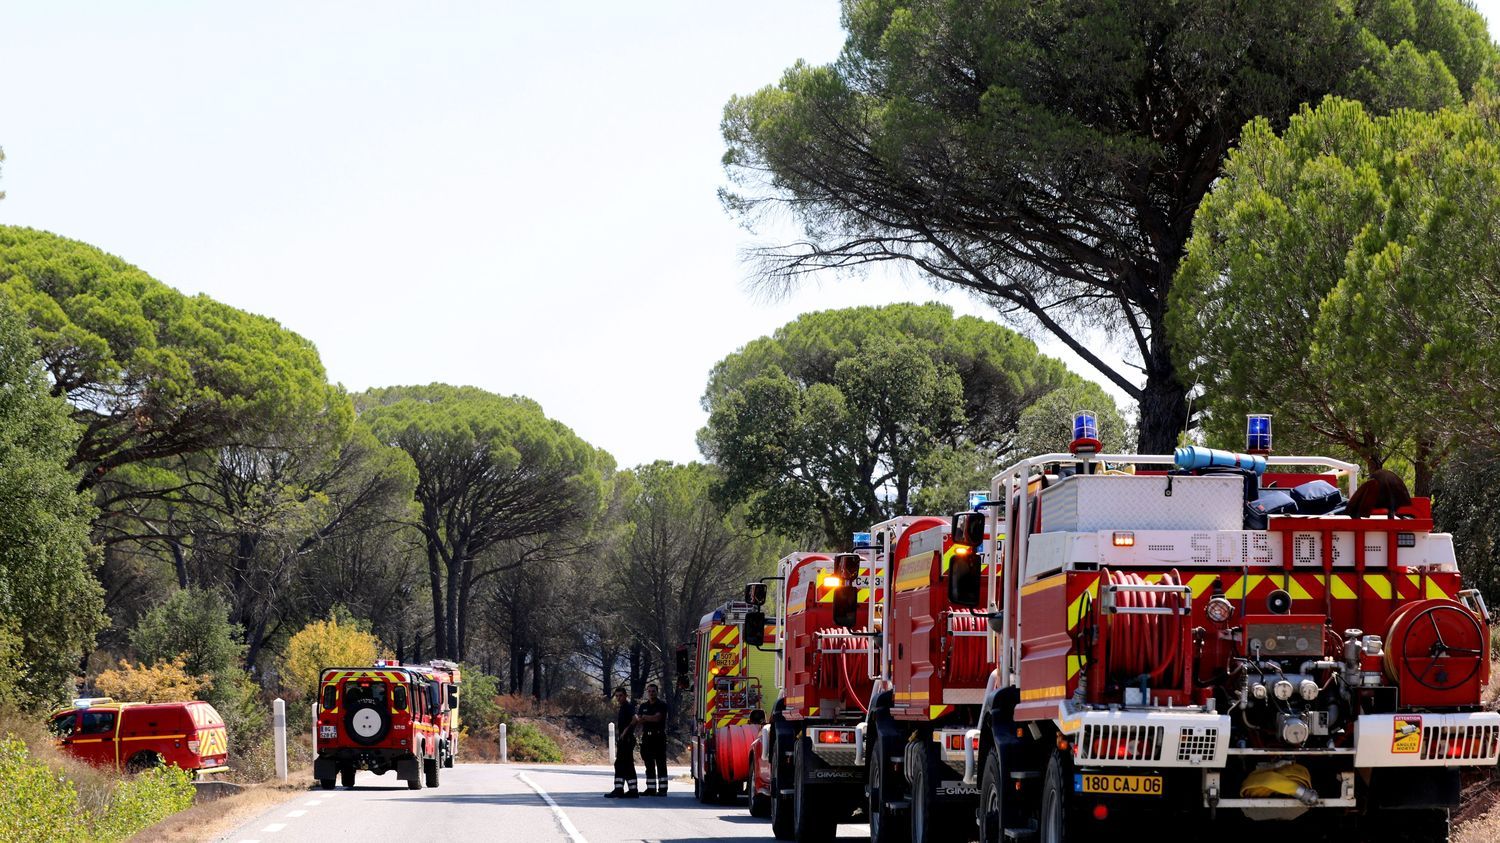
column 504, row 746
column 278, row 724
column 611, row 742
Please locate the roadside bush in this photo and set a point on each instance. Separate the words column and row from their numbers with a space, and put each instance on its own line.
column 478, row 707
column 166, row 681
column 528, row 743
column 340, row 641
column 37, row 803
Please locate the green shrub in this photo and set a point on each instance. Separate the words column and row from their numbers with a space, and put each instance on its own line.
column 38, row 804
column 478, row 708
column 143, row 801
column 528, row 743
column 35, row 803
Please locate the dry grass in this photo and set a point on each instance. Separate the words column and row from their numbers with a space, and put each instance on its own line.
column 211, row 820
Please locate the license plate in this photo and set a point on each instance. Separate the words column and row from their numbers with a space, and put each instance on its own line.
column 329, row 732
column 1123, row 785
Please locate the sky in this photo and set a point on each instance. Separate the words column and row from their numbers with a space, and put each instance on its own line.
column 517, row 196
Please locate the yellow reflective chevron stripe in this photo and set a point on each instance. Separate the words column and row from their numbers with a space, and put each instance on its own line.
column 1201, row 583
column 1380, row 585
column 1341, row 589
column 936, row 711
column 1075, row 664
column 1075, row 609
column 1297, row 591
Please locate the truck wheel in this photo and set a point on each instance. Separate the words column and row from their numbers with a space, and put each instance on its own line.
column 1410, row 825
column 326, row 784
column 1055, row 822
column 812, row 825
column 990, row 794
column 142, row 761
column 885, row 826
column 346, row 775
column 447, row 755
column 781, row 807
column 760, row 804
column 430, row 768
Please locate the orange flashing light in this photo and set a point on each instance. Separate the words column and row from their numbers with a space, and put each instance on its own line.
column 835, row 736
column 962, row 550
column 1124, row 539
column 830, row 581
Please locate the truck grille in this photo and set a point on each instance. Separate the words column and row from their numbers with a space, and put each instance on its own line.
column 1460, row 743
column 1197, row 745
column 1108, row 742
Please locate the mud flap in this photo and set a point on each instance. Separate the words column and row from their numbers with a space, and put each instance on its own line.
column 409, row 769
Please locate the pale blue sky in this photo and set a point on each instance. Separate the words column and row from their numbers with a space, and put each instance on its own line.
column 515, row 196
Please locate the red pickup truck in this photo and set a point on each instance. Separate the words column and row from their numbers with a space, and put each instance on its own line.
column 137, row 736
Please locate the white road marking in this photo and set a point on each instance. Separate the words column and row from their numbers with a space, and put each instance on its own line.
column 313, row 803
column 274, row 827
column 562, row 819
column 295, row 814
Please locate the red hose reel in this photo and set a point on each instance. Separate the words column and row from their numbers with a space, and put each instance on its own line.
column 1147, row 635
column 1437, row 653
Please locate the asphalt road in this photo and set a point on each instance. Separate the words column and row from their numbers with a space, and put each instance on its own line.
column 504, row 803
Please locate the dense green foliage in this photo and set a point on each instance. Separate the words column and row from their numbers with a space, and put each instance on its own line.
column 844, row 418
column 1342, row 276
column 152, row 373
column 1050, row 154
column 50, row 602
column 491, row 469
column 1466, row 503
column 39, row 806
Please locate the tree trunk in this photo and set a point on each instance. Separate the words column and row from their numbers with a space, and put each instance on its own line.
column 536, row 677
column 1422, row 467
column 1163, row 405
column 454, row 563
column 439, row 622
column 607, row 658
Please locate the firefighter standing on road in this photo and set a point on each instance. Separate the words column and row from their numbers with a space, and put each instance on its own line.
column 625, row 721
column 652, row 715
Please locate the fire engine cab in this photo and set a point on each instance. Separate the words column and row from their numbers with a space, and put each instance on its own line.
column 382, row 718
column 1184, row 637
column 732, row 677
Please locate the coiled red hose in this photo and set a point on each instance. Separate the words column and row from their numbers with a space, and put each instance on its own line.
column 834, row 676
column 967, row 661
column 1146, row 645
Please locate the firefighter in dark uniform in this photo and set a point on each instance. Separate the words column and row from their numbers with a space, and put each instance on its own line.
column 652, row 715
column 625, row 722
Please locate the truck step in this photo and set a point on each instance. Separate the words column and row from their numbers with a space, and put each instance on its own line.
column 1023, row 775
column 898, row 806
column 789, row 792
column 1020, row 835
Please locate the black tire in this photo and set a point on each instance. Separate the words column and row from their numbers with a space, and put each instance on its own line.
column 326, row 784
column 781, row 807
column 414, row 784
column 142, row 761
column 812, row 820
column 430, row 769
column 760, row 804
column 1055, row 822
column 367, row 737
column 990, row 795
column 346, row 774
column 1412, row 825
column 448, row 759
column 885, row 826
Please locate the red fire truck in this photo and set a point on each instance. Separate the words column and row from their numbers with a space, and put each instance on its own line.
column 379, row 719
column 932, row 667
column 446, row 676
column 816, row 773
column 1216, row 633
column 732, row 678
column 135, row 736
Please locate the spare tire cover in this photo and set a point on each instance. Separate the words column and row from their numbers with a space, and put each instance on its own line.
column 368, row 724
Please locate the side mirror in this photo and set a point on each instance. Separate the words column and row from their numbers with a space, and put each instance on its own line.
column 452, row 696
column 754, row 631
column 845, row 593
column 968, row 528
column 964, row 580
column 684, row 665
column 755, row 593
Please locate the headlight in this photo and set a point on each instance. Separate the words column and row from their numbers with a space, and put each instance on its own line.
column 1282, row 689
column 1219, row 610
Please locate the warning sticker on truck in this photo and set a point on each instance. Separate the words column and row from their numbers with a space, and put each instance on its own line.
column 1407, row 736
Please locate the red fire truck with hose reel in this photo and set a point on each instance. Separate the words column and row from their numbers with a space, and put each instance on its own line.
column 1210, row 634
column 732, row 676
column 930, row 668
column 810, row 750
